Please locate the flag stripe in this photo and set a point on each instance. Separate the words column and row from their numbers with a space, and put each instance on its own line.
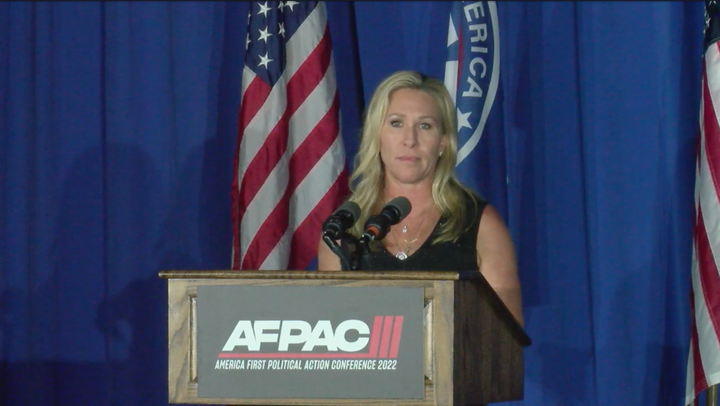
column 695, row 372
column 255, row 92
column 706, row 281
column 711, row 130
column 706, row 305
column 299, row 87
column 277, row 222
column 304, row 240
column 290, row 162
column 299, row 48
column 704, row 356
column 308, row 171
column 254, row 97
column 695, row 362
column 710, row 202
column 251, row 144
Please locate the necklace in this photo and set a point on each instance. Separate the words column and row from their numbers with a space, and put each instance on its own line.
column 404, row 254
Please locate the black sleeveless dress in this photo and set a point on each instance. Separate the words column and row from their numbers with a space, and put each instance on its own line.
column 460, row 255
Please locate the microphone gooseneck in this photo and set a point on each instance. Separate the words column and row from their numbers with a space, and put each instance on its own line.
column 335, row 228
column 378, row 226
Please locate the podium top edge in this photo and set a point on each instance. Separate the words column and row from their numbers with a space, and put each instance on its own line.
column 335, row 275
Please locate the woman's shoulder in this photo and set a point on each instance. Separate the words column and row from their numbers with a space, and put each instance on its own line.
column 474, row 203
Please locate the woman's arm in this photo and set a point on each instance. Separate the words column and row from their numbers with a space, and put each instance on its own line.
column 497, row 262
column 327, row 260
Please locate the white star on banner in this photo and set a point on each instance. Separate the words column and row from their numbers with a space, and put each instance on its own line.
column 291, row 4
column 264, row 35
column 263, row 9
column 463, row 119
column 707, row 19
column 264, row 60
column 281, row 29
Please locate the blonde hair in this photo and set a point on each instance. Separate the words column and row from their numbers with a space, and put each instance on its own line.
column 368, row 181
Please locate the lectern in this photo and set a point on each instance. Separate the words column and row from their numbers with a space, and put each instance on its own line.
column 340, row 338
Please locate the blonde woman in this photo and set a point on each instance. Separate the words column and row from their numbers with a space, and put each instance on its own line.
column 408, row 148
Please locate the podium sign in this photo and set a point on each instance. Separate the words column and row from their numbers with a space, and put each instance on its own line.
column 364, row 338
column 300, row 342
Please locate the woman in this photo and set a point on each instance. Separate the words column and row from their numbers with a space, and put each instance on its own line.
column 408, row 148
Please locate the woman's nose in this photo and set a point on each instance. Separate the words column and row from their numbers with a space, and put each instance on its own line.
column 410, row 136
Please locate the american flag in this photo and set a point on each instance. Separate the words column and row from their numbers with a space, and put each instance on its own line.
column 290, row 161
column 472, row 76
column 704, row 357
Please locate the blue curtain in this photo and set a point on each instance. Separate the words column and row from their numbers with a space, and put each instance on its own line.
column 118, row 125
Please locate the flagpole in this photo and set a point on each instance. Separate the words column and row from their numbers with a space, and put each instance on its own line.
column 711, row 398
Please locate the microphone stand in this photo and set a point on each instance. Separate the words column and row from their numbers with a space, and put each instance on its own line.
column 363, row 257
column 355, row 256
column 349, row 258
column 355, row 249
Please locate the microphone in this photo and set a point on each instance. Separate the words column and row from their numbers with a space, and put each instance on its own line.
column 378, row 226
column 343, row 218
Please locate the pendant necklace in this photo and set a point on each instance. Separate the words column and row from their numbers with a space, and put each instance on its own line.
column 404, row 254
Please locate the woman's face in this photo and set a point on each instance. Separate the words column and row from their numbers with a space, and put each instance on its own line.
column 411, row 137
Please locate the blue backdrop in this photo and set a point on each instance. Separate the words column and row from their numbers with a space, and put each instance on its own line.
column 118, row 125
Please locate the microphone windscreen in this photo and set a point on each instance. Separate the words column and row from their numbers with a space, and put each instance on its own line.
column 350, row 207
column 402, row 204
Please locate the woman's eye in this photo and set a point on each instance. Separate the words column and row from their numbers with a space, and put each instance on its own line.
column 396, row 123
column 425, row 126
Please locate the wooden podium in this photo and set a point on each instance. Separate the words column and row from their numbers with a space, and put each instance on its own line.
column 472, row 345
